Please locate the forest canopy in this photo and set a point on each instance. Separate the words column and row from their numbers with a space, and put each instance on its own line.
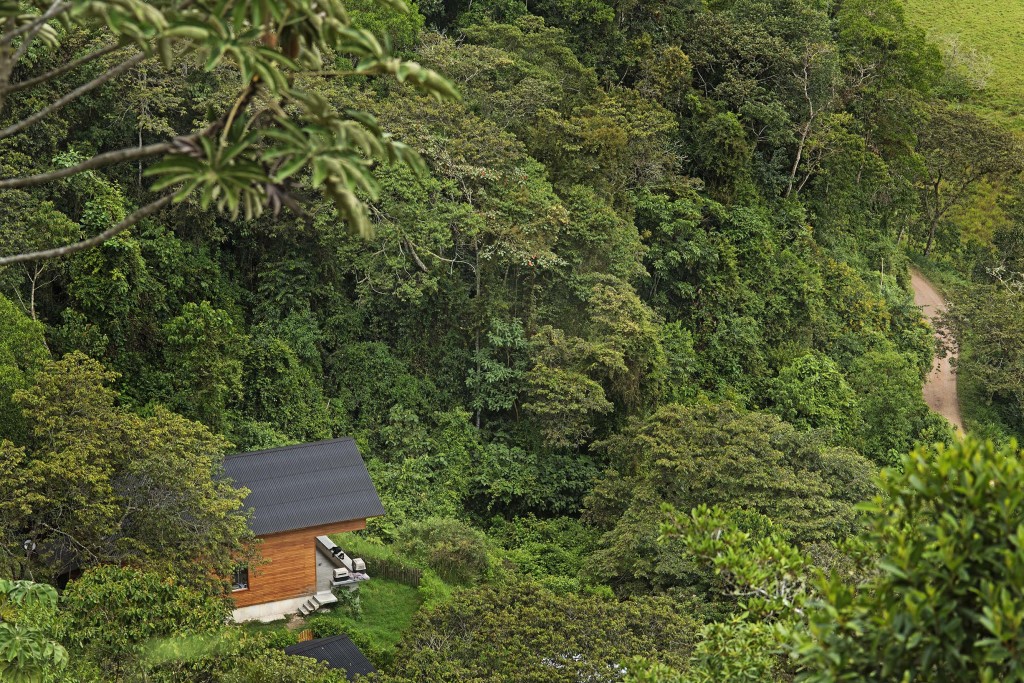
column 614, row 298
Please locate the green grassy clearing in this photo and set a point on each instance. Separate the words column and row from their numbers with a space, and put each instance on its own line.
column 359, row 546
column 387, row 606
column 387, row 611
column 993, row 27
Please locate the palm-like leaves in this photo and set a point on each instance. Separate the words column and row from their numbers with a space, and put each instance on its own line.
column 133, row 20
column 244, row 163
column 338, row 151
column 334, row 152
column 220, row 173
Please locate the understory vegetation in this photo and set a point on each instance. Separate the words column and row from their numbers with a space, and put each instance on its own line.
column 612, row 295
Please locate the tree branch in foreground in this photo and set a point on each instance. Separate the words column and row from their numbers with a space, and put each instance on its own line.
column 55, row 9
column 105, row 159
column 61, row 70
column 132, row 219
column 71, row 96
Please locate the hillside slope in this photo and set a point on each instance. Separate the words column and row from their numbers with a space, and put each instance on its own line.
column 995, row 28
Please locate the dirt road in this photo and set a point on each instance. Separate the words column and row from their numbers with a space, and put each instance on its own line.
column 940, row 387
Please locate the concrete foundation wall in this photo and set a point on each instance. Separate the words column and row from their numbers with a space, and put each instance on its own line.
column 269, row 611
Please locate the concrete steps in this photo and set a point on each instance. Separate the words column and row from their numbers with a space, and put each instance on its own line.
column 315, row 602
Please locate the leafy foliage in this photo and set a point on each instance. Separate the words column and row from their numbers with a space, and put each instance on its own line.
column 985, row 319
column 521, row 633
column 812, row 392
column 245, row 160
column 944, row 604
column 99, row 483
column 654, row 255
column 27, row 649
column 457, row 553
column 118, row 616
column 22, row 351
column 716, row 455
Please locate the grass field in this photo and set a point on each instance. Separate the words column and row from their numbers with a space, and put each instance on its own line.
column 388, row 608
column 993, row 27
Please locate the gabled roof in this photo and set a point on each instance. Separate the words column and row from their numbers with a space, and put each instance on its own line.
column 338, row 651
column 311, row 484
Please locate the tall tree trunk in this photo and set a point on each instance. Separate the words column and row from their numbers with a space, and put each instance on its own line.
column 479, row 290
column 931, row 235
column 804, row 134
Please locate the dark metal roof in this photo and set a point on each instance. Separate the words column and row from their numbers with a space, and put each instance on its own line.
column 295, row 487
column 338, row 651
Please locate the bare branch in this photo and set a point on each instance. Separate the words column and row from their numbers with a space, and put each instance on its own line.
column 105, row 159
column 416, row 257
column 71, row 96
column 132, row 219
column 61, row 70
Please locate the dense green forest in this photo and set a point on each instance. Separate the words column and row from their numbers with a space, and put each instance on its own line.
column 613, row 296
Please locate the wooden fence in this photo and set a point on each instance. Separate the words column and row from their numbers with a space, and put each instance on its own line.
column 387, row 568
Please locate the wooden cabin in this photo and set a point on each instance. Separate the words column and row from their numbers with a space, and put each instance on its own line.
column 299, row 495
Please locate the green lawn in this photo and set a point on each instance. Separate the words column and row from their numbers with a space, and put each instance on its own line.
column 357, row 546
column 388, row 608
column 994, row 28
column 387, row 611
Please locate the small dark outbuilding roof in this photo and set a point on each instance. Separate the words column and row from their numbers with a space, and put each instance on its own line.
column 338, row 651
column 311, row 484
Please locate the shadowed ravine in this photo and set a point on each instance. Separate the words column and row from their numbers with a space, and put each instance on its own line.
column 940, row 387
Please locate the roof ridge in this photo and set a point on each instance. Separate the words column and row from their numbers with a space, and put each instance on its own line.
column 318, row 642
column 243, row 454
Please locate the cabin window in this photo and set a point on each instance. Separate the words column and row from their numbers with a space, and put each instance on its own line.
column 240, row 579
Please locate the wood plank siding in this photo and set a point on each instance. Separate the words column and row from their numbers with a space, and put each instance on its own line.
column 291, row 570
